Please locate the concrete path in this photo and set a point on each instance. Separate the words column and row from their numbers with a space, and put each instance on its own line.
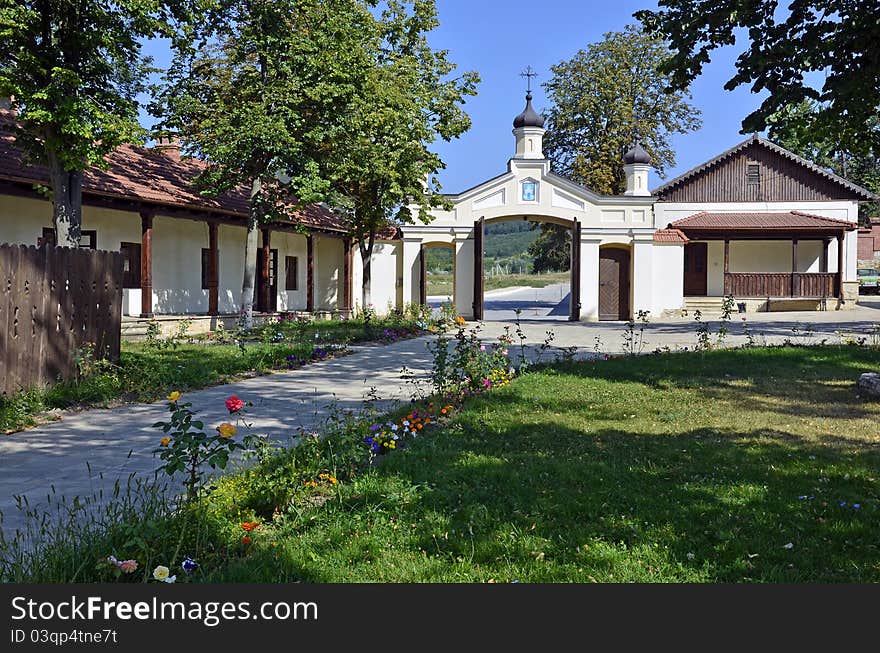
column 72, row 453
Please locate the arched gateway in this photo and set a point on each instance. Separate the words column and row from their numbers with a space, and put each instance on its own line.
column 529, row 190
column 756, row 222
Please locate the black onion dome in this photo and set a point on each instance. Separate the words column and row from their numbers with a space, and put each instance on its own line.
column 529, row 117
column 637, row 155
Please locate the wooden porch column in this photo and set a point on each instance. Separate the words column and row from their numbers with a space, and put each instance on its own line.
column 347, row 280
column 824, row 260
column 726, row 267
column 146, row 264
column 213, row 269
column 794, row 246
column 310, row 273
column 840, row 267
column 265, row 266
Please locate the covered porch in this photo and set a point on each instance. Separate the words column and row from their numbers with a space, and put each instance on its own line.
column 789, row 255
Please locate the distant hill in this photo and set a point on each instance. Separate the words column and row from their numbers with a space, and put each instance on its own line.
column 504, row 240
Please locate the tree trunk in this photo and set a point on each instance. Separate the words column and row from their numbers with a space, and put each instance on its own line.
column 250, row 259
column 366, row 256
column 66, row 202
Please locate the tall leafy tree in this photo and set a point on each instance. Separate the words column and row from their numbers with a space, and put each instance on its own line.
column 603, row 98
column 794, row 128
column 381, row 169
column 551, row 251
column 820, row 50
column 262, row 90
column 73, row 70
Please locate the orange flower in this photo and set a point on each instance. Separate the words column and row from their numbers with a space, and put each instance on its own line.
column 226, row 430
column 246, row 540
column 250, row 526
column 419, row 427
column 427, row 420
column 164, row 441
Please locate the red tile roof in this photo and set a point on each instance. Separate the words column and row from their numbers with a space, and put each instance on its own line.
column 151, row 176
column 757, row 221
column 670, row 236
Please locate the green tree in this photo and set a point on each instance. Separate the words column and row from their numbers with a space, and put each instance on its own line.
column 551, row 251
column 73, row 70
column 819, row 50
column 380, row 168
column 794, row 128
column 259, row 95
column 605, row 97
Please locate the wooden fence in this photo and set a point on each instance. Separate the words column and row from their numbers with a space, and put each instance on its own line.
column 780, row 284
column 52, row 302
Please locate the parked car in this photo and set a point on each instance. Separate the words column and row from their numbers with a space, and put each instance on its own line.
column 869, row 280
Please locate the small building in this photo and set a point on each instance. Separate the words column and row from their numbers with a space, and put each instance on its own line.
column 183, row 251
column 869, row 242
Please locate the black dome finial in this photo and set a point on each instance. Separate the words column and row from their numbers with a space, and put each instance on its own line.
column 637, row 154
column 529, row 117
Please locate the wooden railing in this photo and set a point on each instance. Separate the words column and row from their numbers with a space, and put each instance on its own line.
column 780, row 284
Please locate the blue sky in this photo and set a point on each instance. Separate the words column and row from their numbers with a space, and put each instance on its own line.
column 499, row 39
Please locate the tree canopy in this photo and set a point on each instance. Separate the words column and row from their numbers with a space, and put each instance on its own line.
column 602, row 98
column 824, row 51
column 73, row 71
column 380, row 167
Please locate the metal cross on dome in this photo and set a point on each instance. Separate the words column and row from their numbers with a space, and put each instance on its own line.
column 528, row 73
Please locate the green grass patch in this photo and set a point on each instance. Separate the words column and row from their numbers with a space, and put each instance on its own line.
column 749, row 465
column 442, row 283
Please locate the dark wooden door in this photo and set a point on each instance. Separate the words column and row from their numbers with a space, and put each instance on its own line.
column 272, row 305
column 575, row 297
column 614, row 284
column 479, row 227
column 696, row 256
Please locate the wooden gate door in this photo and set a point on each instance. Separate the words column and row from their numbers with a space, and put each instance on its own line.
column 575, row 306
column 272, row 305
column 614, row 284
column 696, row 256
column 479, row 228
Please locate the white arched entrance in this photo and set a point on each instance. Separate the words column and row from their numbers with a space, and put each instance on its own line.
column 529, row 190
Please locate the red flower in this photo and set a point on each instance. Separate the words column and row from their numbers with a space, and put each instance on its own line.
column 250, row 525
column 246, row 540
column 234, row 404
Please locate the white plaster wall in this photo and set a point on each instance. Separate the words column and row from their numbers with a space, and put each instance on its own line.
column 642, row 276
column 715, row 271
column 386, row 267
column 464, row 277
column 771, row 256
column 411, row 270
column 668, row 278
column 291, row 244
column 177, row 266
column 328, row 272
column 590, row 279
column 230, row 245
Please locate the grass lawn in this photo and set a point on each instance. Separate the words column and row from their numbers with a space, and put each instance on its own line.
column 442, row 284
column 742, row 465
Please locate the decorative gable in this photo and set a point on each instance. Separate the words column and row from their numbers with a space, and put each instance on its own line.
column 757, row 170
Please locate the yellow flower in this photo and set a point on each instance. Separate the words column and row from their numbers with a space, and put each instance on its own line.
column 226, row 430
column 174, row 396
column 164, row 441
column 460, row 320
column 161, row 572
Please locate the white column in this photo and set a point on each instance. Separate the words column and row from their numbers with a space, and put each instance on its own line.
column 590, row 278
column 643, row 274
column 464, row 276
column 411, row 270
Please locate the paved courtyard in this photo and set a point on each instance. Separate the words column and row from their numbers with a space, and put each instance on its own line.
column 72, row 453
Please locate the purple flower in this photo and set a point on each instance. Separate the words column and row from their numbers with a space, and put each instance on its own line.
column 856, row 506
column 189, row 565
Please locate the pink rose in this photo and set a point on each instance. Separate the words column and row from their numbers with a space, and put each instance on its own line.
column 234, row 404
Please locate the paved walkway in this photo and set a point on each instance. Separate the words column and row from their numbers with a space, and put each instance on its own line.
column 71, row 454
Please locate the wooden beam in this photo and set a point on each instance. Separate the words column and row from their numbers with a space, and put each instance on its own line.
column 423, row 275
column 310, row 273
column 213, row 269
column 727, row 289
column 824, row 261
column 146, row 264
column 840, row 267
column 265, row 267
column 794, row 248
